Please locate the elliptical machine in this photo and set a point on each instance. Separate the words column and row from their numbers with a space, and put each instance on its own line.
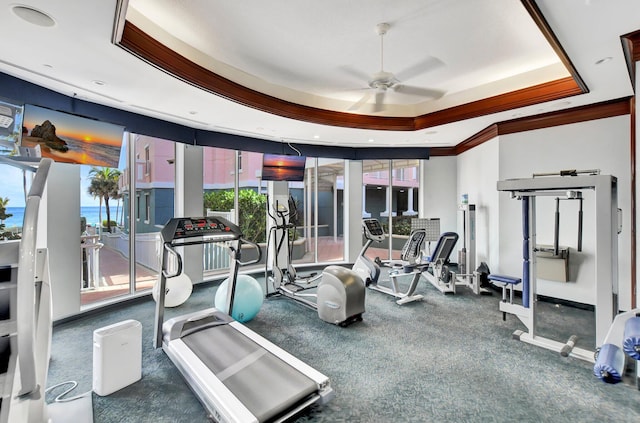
column 338, row 294
column 369, row 270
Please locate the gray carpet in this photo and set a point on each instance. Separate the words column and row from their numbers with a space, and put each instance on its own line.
column 445, row 359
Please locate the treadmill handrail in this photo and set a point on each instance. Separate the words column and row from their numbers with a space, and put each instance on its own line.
column 172, row 251
column 201, row 239
column 169, row 247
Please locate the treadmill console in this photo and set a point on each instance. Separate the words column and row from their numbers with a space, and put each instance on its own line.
column 214, row 228
column 373, row 229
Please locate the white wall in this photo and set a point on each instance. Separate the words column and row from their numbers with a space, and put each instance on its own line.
column 188, row 201
column 352, row 210
column 601, row 144
column 478, row 171
column 63, row 238
column 438, row 192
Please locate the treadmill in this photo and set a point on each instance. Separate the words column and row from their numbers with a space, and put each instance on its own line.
column 236, row 374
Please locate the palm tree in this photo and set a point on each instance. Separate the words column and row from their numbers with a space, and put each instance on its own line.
column 3, row 212
column 104, row 185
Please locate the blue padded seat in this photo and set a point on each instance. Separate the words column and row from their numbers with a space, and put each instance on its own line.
column 512, row 280
column 506, row 281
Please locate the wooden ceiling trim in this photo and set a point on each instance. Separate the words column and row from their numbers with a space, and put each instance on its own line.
column 602, row 110
column 481, row 137
column 544, row 27
column 631, row 48
column 607, row 109
column 442, row 151
column 142, row 45
column 633, row 38
column 150, row 50
column 554, row 90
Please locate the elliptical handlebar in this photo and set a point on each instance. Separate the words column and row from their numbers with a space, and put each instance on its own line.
column 282, row 218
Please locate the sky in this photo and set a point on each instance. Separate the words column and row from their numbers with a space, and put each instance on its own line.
column 12, row 187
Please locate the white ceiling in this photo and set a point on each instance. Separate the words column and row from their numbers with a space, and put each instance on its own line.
column 322, row 53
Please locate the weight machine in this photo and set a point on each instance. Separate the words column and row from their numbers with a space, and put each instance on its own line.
column 565, row 184
column 447, row 278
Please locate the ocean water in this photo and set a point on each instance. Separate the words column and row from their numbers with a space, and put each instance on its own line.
column 91, row 213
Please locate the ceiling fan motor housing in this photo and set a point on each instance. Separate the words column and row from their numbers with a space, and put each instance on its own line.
column 382, row 28
column 382, row 80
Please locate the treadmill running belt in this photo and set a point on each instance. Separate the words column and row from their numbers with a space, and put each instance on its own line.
column 266, row 385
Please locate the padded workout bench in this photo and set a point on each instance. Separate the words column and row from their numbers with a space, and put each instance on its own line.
column 507, row 282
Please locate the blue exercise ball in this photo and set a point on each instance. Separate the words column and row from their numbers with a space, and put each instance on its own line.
column 247, row 300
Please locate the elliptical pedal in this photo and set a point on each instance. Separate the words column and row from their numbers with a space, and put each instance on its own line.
column 293, row 287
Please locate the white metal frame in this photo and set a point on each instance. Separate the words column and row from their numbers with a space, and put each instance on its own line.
column 606, row 253
column 394, row 289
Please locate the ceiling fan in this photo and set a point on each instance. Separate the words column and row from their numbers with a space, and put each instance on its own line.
column 382, row 81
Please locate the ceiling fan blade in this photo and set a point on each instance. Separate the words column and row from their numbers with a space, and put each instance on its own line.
column 419, row 91
column 358, row 104
column 359, row 75
column 428, row 64
column 378, row 106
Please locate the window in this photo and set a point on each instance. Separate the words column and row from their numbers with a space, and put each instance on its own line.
column 105, row 248
column 239, row 200
column 330, row 201
column 12, row 203
column 157, row 191
column 147, row 161
column 147, row 211
column 391, row 196
column 137, row 206
column 237, row 196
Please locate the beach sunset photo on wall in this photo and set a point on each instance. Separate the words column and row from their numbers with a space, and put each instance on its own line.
column 67, row 138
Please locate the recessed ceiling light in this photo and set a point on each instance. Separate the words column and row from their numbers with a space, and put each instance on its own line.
column 46, row 65
column 98, row 82
column 370, row 139
column 33, row 16
column 604, row 60
column 315, row 137
column 193, row 112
